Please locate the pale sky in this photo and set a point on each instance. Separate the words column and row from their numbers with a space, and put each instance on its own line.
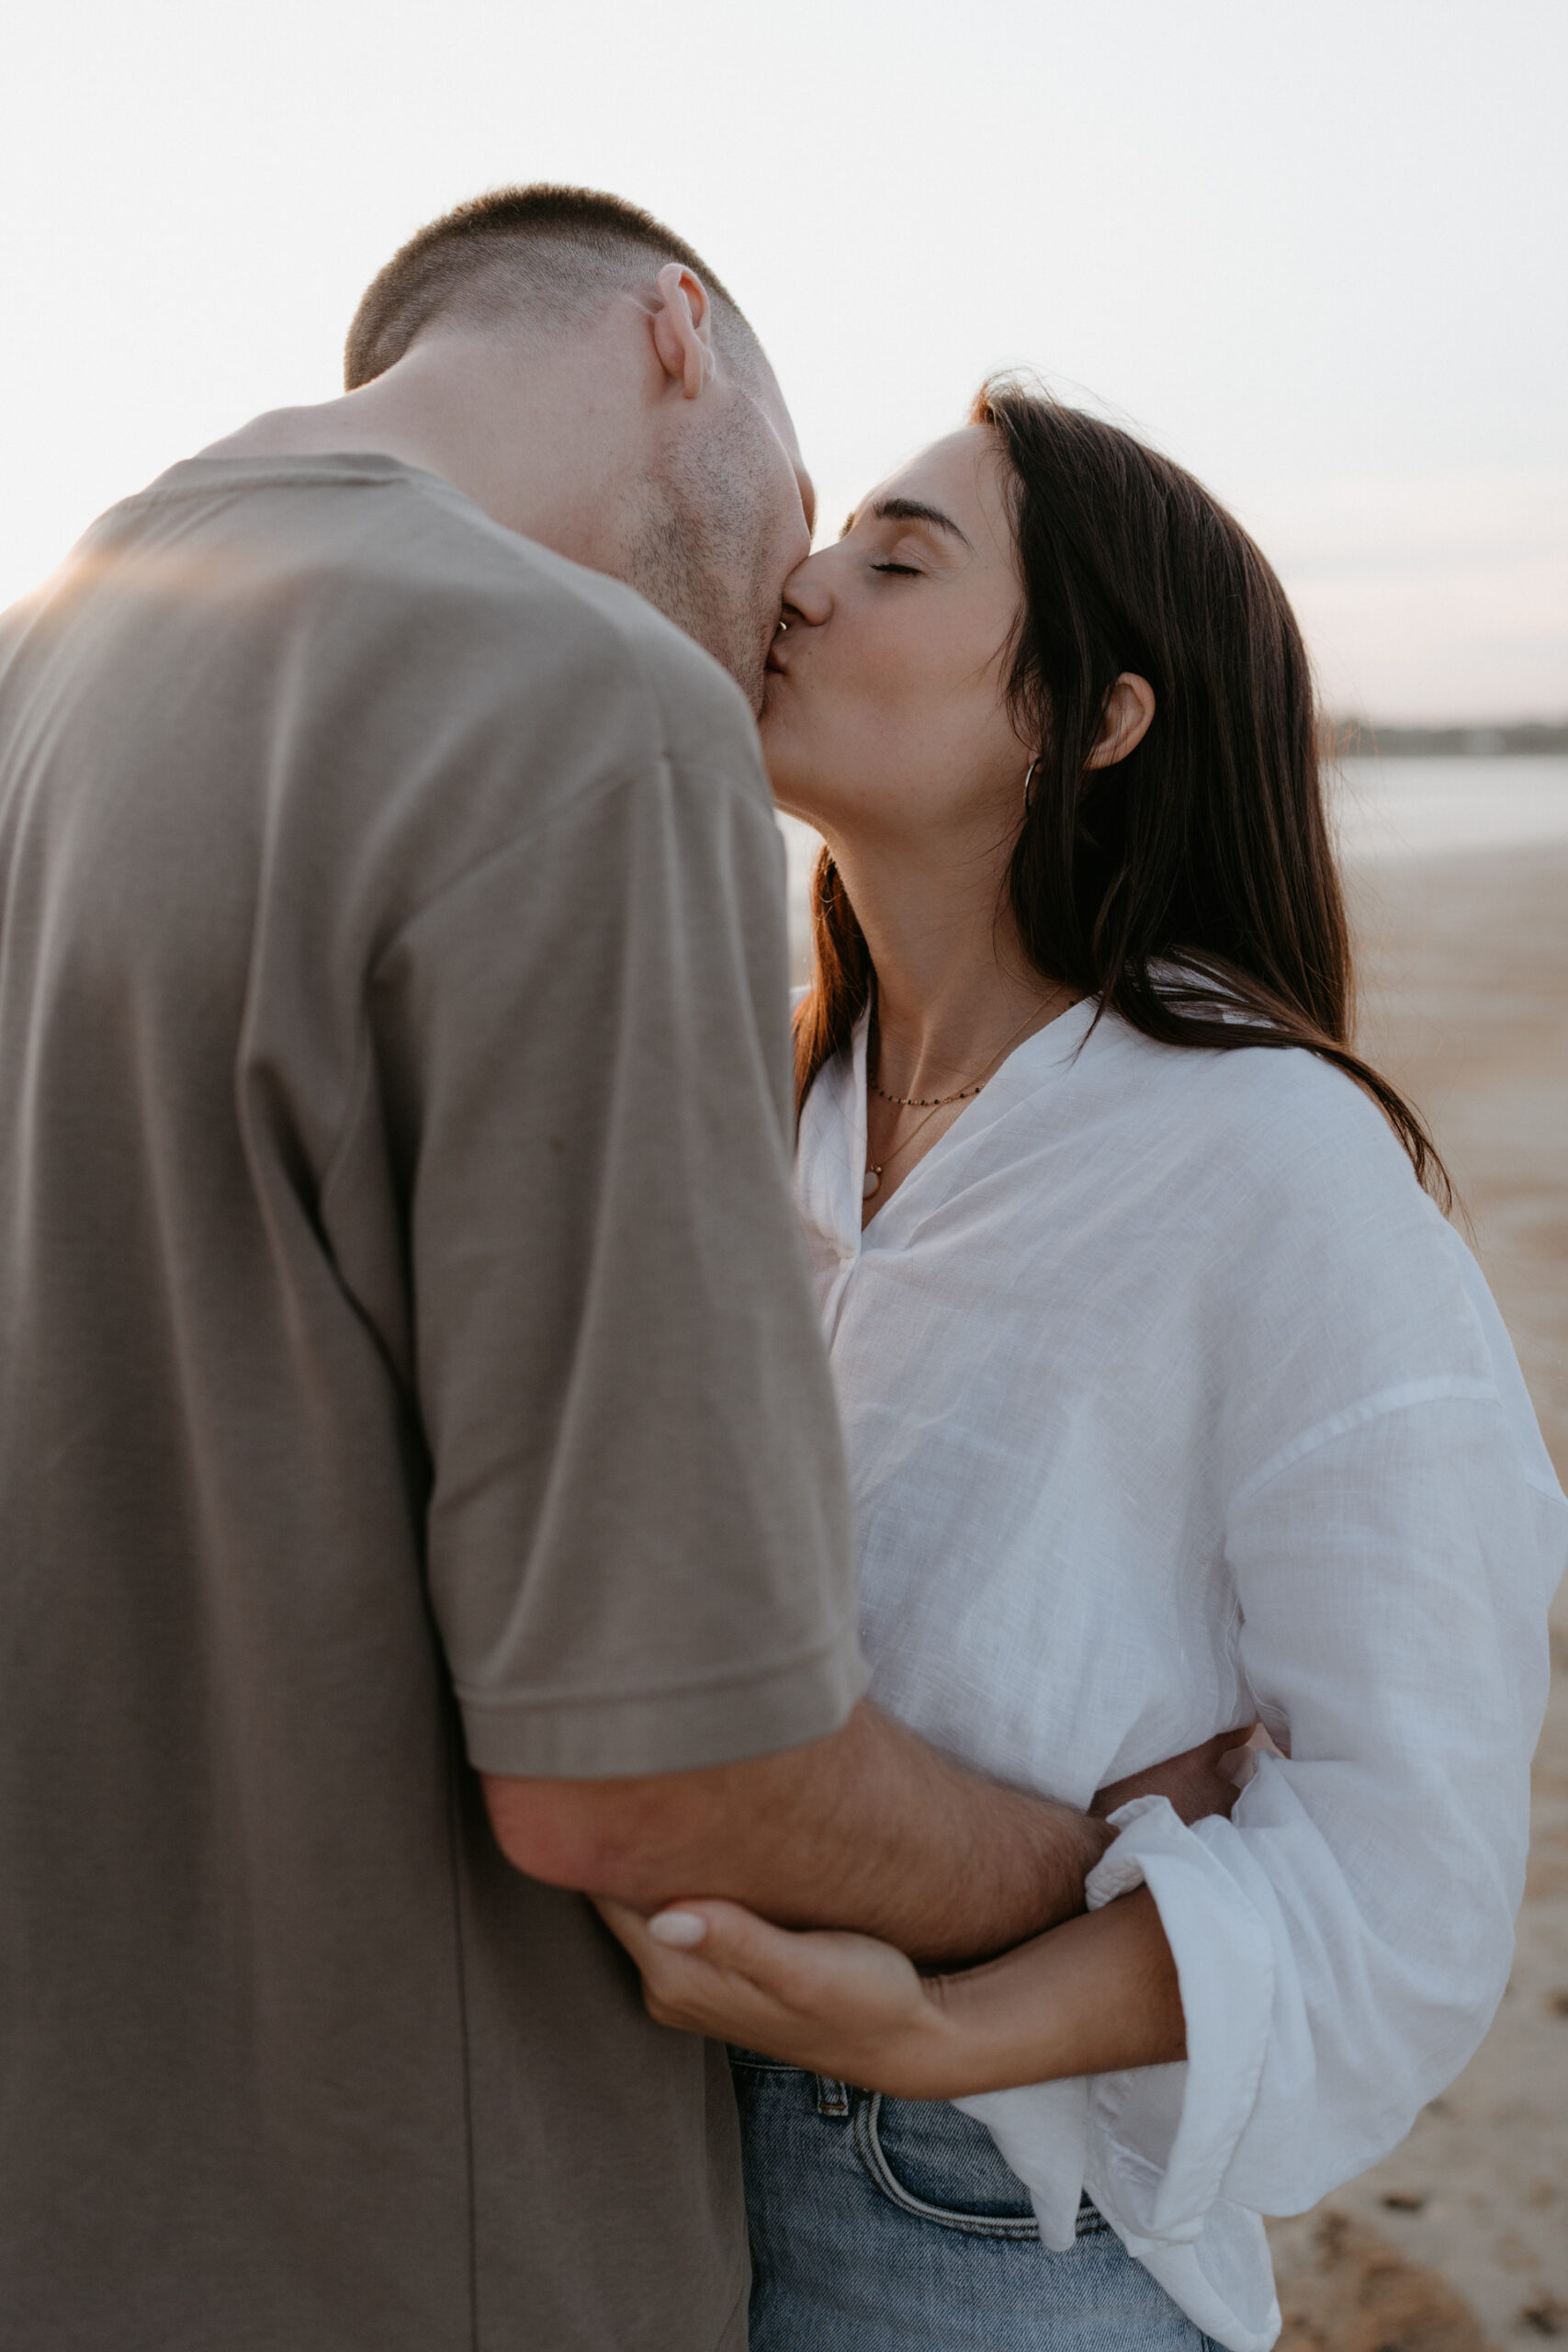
column 1316, row 249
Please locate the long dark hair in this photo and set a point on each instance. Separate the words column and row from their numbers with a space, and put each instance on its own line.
column 1191, row 888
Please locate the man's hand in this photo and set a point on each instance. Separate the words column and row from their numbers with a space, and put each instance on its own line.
column 1206, row 1779
column 871, row 1829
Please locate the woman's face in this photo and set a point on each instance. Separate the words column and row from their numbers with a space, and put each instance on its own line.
column 885, row 718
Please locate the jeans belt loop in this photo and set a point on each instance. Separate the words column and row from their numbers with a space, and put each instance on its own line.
column 832, row 2098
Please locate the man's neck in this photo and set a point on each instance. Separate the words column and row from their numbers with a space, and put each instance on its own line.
column 539, row 442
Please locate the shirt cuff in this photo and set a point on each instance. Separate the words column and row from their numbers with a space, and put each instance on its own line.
column 1163, row 2183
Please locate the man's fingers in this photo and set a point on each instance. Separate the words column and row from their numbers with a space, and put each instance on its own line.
column 1193, row 1781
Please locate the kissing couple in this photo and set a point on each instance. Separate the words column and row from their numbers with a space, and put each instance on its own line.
column 675, row 1674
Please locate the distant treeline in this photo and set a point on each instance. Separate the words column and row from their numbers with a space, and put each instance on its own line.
column 1363, row 739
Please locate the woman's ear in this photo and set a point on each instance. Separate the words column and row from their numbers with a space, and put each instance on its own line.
column 1125, row 721
column 683, row 329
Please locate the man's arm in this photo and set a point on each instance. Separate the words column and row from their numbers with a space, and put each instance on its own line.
column 870, row 1829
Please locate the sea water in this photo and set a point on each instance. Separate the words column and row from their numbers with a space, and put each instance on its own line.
column 1384, row 809
column 1396, row 809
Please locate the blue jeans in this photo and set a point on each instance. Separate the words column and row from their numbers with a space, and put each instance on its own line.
column 893, row 2226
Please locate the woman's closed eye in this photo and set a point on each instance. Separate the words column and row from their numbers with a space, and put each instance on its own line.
column 909, row 571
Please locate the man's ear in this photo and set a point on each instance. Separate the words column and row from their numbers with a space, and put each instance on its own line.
column 683, row 329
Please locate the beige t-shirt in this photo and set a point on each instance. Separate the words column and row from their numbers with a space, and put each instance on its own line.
column 406, row 1351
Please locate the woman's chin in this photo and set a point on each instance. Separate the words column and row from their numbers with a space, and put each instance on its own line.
column 795, row 780
column 774, row 735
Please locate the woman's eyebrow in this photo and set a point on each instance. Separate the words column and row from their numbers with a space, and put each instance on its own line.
column 912, row 510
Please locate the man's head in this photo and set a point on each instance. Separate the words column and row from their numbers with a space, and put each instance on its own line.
column 696, row 495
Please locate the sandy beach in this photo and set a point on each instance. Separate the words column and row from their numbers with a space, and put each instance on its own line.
column 1459, row 2239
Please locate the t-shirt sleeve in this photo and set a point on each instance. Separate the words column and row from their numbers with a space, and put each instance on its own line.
column 637, row 1531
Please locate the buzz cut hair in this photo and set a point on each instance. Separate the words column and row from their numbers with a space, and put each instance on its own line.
column 544, row 257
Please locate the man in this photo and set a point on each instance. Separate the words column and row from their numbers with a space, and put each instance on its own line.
column 410, row 1373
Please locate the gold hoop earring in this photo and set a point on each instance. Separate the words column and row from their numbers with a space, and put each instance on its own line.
column 1027, row 780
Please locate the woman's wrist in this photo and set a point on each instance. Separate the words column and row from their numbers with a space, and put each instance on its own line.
column 996, row 2024
column 987, row 2028
column 1091, row 1997
column 939, row 2053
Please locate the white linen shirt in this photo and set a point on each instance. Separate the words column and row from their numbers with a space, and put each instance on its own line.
column 1171, row 1399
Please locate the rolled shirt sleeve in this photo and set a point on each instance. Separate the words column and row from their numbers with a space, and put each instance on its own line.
column 1343, row 1941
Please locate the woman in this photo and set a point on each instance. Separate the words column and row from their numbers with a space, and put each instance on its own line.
column 1171, row 1400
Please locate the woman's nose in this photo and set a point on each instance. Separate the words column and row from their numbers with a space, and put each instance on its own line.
column 807, row 596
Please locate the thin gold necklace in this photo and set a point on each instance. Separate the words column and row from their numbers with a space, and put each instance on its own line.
column 871, row 1183
column 924, row 1101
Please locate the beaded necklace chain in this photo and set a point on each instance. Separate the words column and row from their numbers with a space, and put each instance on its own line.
column 931, row 1103
column 926, row 1102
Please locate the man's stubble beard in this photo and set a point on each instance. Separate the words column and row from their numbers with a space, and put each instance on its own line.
column 697, row 555
column 672, row 567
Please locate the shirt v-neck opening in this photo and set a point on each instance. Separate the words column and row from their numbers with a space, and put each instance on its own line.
column 969, row 1124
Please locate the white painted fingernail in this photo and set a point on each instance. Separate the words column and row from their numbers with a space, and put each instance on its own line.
column 683, row 1928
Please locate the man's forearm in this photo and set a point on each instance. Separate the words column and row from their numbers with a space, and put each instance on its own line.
column 873, row 1830
column 892, row 1837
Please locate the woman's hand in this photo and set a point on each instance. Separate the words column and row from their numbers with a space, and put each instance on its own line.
column 836, row 2003
column 1088, row 1997
column 1093, row 1994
